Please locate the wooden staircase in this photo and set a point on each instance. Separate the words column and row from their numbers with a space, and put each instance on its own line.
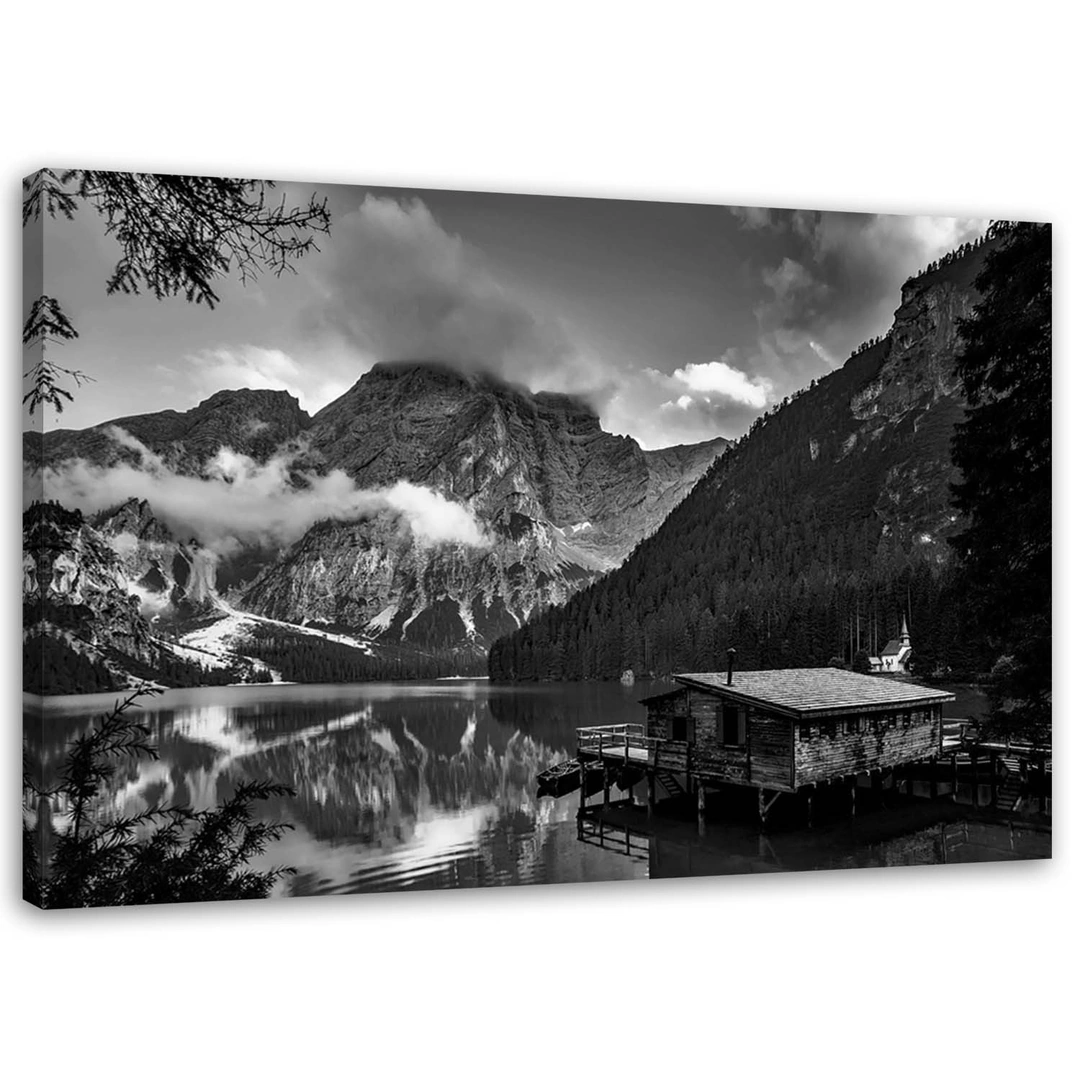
column 1010, row 790
column 670, row 785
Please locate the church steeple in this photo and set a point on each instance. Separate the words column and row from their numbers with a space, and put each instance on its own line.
column 905, row 638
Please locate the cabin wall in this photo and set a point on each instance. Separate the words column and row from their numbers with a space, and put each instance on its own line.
column 845, row 745
column 662, row 712
column 761, row 754
column 771, row 762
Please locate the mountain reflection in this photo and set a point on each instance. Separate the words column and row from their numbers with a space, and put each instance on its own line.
column 418, row 786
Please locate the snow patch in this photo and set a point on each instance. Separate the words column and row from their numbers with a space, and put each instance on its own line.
column 383, row 620
column 465, row 612
column 228, row 635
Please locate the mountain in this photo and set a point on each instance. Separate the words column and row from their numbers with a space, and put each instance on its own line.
column 810, row 537
column 554, row 501
column 562, row 500
column 251, row 422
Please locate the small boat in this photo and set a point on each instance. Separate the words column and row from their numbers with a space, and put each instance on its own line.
column 565, row 777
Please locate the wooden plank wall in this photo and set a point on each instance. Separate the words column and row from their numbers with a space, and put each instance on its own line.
column 771, row 763
column 825, row 750
column 661, row 713
column 764, row 756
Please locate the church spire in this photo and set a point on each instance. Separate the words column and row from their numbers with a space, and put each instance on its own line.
column 905, row 638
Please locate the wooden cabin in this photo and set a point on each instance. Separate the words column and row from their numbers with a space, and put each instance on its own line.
column 784, row 730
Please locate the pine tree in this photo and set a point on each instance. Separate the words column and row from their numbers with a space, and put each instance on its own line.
column 1003, row 449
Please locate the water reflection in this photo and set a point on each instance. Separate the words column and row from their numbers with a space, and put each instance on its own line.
column 396, row 787
column 913, row 833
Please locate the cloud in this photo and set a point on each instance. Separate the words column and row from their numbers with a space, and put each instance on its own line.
column 722, row 380
column 238, row 502
column 693, row 403
column 395, row 285
column 753, row 217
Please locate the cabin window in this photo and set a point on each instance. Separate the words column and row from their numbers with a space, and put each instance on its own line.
column 716, row 722
column 830, row 729
column 851, row 725
column 907, row 719
column 731, row 730
column 890, row 720
column 678, row 728
column 805, row 732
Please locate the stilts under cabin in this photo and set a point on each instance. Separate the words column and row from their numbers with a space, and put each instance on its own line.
column 782, row 732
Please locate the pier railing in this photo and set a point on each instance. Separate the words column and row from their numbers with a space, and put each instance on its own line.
column 610, row 740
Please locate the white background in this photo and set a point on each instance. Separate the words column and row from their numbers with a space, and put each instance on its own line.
column 945, row 108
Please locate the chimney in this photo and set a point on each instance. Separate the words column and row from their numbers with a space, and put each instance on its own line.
column 730, row 664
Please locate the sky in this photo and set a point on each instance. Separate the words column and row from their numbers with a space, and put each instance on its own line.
column 677, row 322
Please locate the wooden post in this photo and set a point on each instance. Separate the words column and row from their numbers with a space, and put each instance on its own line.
column 974, row 778
column 652, row 793
column 955, row 776
column 809, row 807
column 607, row 788
column 584, row 784
column 761, row 811
column 701, row 808
column 854, row 786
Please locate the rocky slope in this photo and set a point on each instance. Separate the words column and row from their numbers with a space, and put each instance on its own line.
column 74, row 588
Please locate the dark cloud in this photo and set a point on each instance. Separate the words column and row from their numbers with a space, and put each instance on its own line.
column 836, row 284
column 397, row 286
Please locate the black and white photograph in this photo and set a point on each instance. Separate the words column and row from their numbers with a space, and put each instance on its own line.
column 540, row 532
column 410, row 539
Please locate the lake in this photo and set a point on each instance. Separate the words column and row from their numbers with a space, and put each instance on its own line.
column 433, row 786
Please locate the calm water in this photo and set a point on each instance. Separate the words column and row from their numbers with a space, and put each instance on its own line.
column 432, row 786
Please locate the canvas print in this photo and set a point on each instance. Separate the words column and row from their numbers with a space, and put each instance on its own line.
column 390, row 539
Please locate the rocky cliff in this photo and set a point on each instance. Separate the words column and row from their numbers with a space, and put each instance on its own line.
column 76, row 601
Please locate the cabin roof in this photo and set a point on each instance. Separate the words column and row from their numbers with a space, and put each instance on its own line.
column 801, row 692
column 661, row 697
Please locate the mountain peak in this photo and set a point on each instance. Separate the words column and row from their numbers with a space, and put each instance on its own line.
column 247, row 396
